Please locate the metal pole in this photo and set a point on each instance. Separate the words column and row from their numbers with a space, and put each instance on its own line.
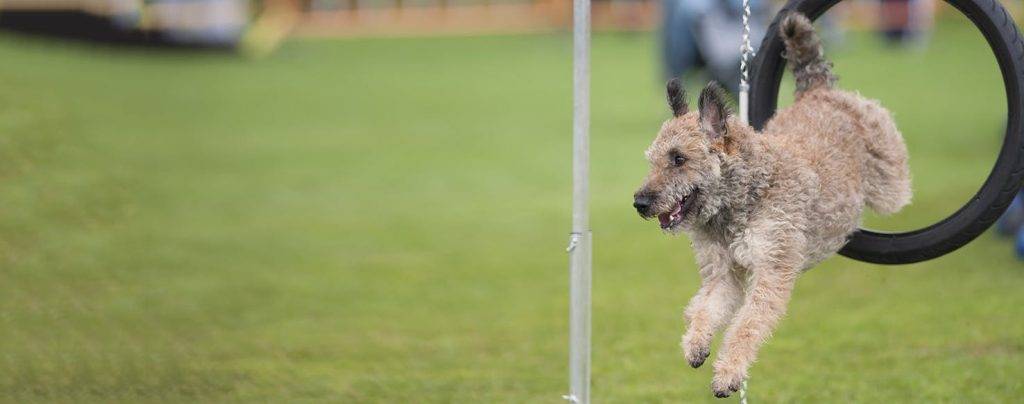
column 745, row 53
column 580, row 242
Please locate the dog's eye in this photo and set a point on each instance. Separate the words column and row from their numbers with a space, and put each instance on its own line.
column 677, row 159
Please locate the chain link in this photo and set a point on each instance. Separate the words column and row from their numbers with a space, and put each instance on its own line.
column 746, row 51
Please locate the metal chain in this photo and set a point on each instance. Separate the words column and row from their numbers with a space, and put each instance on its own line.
column 745, row 51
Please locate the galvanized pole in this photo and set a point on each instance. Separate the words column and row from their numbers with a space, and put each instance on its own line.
column 746, row 51
column 580, row 241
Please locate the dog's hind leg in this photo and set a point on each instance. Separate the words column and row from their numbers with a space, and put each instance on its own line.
column 713, row 305
column 886, row 172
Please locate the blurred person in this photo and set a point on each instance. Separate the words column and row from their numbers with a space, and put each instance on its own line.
column 1011, row 224
column 906, row 22
column 707, row 34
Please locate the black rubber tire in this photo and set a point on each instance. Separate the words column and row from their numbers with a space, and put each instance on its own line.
column 1003, row 182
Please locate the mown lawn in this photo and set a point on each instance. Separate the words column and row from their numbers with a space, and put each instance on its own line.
column 385, row 221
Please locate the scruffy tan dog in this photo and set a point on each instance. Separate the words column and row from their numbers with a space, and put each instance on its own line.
column 760, row 208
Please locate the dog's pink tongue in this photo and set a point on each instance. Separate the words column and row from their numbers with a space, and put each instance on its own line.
column 665, row 219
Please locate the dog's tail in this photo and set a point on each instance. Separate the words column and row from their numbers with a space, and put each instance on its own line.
column 805, row 54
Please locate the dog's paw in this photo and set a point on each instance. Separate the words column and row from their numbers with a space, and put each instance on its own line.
column 696, row 350
column 726, row 382
column 696, row 354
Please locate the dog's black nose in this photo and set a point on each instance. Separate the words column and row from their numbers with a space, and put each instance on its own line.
column 642, row 202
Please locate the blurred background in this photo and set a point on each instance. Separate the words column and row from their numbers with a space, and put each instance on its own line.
column 369, row 201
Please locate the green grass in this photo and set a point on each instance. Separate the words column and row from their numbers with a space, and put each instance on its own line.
column 385, row 221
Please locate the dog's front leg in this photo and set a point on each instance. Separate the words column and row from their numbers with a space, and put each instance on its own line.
column 773, row 276
column 719, row 296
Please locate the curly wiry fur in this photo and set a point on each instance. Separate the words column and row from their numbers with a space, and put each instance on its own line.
column 760, row 208
column 804, row 52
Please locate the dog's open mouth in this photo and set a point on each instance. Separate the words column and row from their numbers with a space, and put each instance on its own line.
column 682, row 208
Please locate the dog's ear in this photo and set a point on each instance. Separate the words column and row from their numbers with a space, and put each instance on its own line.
column 676, row 97
column 713, row 111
